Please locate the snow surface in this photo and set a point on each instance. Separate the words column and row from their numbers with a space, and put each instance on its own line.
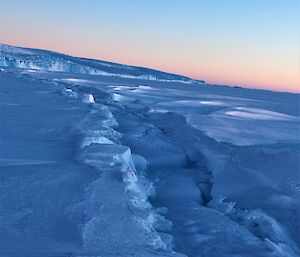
column 121, row 166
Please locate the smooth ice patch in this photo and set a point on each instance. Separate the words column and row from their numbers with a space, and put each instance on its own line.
column 32, row 71
column 192, row 103
column 158, row 110
column 142, row 89
column 214, row 103
column 145, row 87
column 258, row 114
column 75, row 80
column 121, row 98
column 122, row 88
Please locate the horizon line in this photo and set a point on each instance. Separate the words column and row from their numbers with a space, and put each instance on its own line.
column 209, row 83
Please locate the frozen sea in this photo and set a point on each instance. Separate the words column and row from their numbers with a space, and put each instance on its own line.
column 104, row 159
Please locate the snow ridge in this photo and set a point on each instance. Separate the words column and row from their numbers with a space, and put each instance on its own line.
column 100, row 148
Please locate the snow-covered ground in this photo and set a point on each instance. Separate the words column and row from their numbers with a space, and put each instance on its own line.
column 102, row 159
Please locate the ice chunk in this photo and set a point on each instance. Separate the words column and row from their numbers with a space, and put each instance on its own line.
column 69, row 92
column 128, row 176
column 88, row 98
column 95, row 140
column 140, row 162
column 105, row 156
column 108, row 133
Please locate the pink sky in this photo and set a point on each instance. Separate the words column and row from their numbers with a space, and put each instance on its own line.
column 260, row 52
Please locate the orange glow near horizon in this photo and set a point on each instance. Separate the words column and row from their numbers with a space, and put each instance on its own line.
column 253, row 48
column 286, row 80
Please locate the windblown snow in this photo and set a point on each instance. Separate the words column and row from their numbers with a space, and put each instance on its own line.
column 103, row 159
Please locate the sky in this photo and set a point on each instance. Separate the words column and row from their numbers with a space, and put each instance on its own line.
column 249, row 43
